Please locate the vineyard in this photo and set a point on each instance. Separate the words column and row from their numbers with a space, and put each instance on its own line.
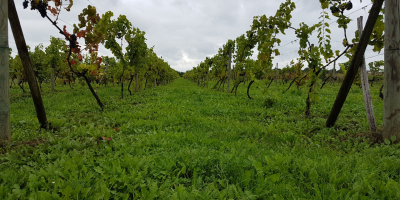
column 236, row 126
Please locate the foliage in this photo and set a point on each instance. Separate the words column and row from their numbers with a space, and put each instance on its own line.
column 56, row 54
column 263, row 34
column 87, row 19
column 269, row 101
column 267, row 30
column 39, row 65
column 16, row 68
column 375, row 67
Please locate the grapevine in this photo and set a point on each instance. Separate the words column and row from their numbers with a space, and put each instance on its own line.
column 91, row 41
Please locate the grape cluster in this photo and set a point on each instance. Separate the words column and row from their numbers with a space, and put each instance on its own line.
column 40, row 6
column 25, row 4
column 334, row 9
column 72, row 41
column 349, row 5
column 341, row 7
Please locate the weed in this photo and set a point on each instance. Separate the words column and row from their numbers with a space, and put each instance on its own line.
column 269, row 101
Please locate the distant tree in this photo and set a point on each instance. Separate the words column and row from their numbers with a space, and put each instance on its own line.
column 306, row 70
column 56, row 58
column 180, row 73
column 136, row 52
column 17, row 71
column 38, row 59
column 375, row 67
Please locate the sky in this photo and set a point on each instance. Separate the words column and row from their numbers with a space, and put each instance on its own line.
column 185, row 32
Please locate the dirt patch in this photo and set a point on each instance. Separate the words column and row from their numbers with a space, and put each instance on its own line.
column 374, row 137
column 32, row 143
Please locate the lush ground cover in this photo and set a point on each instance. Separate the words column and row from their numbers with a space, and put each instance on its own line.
column 181, row 141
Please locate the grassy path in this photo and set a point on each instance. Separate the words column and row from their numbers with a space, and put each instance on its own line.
column 184, row 142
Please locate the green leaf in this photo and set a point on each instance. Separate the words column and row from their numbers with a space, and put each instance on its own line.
column 324, row 5
column 274, row 178
column 313, row 175
column 258, row 166
column 387, row 141
column 276, row 51
column 393, row 138
column 98, row 170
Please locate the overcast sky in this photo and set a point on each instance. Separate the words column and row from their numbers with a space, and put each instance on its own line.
column 185, row 32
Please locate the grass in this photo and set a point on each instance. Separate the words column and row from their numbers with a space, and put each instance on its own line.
column 181, row 141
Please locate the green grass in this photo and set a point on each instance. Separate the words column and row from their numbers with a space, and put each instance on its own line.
column 181, row 141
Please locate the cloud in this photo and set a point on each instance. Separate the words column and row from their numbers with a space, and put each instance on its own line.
column 184, row 61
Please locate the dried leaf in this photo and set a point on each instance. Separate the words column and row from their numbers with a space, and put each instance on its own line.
column 80, row 57
column 66, row 32
column 71, row 2
column 100, row 59
column 52, row 10
column 81, row 33
column 57, row 2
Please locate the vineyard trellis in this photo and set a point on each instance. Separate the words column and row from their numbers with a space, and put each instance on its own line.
column 264, row 34
column 64, row 57
column 138, row 62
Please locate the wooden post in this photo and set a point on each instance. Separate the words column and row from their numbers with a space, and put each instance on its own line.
column 276, row 74
column 355, row 63
column 105, row 72
column 365, row 85
column 334, row 69
column 228, row 89
column 101, row 79
column 137, row 82
column 5, row 130
column 207, row 77
column 53, row 81
column 391, row 106
column 27, row 64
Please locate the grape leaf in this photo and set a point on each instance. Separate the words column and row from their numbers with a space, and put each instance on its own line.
column 80, row 57
column 52, row 10
column 66, row 32
column 57, row 2
column 81, row 33
column 71, row 2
